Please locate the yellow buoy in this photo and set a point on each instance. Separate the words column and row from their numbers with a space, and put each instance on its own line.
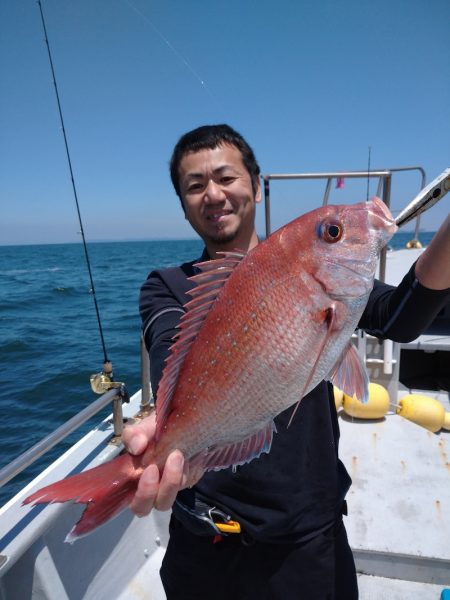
column 446, row 423
column 338, row 397
column 422, row 410
column 375, row 408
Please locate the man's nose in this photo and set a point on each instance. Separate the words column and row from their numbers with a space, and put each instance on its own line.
column 214, row 192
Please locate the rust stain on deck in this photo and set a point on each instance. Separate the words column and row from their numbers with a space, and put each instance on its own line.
column 354, row 465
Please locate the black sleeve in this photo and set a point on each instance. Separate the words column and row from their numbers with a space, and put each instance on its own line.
column 160, row 313
column 402, row 313
column 161, row 302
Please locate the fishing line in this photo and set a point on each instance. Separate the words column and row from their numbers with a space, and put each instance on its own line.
column 172, row 48
column 92, row 290
column 368, row 175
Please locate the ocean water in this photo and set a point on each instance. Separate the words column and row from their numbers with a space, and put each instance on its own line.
column 49, row 339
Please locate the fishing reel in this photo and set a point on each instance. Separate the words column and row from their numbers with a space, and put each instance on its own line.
column 103, row 382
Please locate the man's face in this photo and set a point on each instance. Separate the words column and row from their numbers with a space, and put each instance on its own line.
column 217, row 195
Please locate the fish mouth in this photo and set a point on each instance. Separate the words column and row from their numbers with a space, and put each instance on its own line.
column 380, row 216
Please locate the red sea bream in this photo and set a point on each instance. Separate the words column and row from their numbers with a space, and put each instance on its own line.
column 261, row 330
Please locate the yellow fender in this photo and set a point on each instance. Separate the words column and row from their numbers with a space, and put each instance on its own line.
column 423, row 410
column 338, row 397
column 375, row 408
column 446, row 423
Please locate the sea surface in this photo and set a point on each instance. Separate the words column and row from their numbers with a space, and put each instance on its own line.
column 49, row 338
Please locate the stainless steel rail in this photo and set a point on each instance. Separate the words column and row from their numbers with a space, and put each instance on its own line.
column 146, row 388
column 384, row 186
column 27, row 458
column 115, row 396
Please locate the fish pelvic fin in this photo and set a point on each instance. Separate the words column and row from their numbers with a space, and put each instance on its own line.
column 350, row 375
column 106, row 489
column 210, row 281
column 221, row 457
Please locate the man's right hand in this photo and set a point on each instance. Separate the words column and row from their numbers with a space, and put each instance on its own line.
column 154, row 491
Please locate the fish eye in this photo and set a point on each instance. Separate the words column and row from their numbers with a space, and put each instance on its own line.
column 331, row 231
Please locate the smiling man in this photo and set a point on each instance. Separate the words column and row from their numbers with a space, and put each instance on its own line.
column 288, row 541
column 219, row 195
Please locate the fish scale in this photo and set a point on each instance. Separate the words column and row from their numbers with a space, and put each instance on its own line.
column 261, row 331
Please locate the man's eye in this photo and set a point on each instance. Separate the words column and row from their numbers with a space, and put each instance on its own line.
column 194, row 187
column 227, row 179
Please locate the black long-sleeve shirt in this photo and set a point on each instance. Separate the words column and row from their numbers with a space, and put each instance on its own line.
column 296, row 490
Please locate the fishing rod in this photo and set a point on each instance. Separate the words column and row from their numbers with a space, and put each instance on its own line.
column 101, row 381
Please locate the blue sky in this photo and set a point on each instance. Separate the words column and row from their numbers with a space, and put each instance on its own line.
column 311, row 85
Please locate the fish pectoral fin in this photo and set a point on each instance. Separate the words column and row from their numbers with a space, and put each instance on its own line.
column 326, row 316
column 221, row 457
column 349, row 374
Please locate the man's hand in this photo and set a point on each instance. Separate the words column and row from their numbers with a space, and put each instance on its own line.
column 153, row 491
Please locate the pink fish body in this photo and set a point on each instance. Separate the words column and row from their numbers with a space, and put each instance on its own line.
column 261, row 331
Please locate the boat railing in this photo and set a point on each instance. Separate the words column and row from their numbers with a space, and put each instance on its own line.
column 147, row 400
column 115, row 396
column 23, row 461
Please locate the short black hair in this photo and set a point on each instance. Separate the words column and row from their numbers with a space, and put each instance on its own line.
column 208, row 137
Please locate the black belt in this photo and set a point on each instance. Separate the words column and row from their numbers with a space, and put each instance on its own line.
column 205, row 520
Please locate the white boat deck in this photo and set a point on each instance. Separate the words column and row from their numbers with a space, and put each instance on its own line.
column 398, row 262
column 399, row 503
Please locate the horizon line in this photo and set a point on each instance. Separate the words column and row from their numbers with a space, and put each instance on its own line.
column 152, row 239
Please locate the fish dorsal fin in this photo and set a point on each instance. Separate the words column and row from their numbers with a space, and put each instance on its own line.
column 210, row 281
column 349, row 374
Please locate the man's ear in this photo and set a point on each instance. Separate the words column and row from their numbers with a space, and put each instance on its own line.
column 258, row 194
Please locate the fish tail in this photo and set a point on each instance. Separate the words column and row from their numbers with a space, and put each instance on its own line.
column 107, row 490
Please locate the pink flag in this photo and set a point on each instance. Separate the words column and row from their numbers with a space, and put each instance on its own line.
column 339, row 183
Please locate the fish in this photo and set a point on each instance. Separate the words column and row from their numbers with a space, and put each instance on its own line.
column 260, row 331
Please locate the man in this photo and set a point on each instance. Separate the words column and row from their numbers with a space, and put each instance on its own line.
column 289, row 503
